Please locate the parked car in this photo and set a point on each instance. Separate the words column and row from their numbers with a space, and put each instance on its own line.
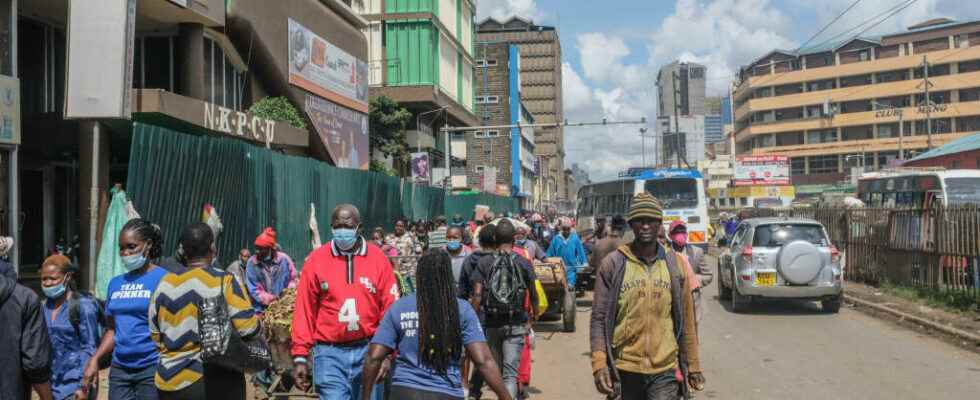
column 784, row 258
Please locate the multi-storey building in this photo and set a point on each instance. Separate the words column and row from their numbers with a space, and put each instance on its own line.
column 508, row 151
column 103, row 88
column 839, row 104
column 681, row 113
column 421, row 55
column 540, row 64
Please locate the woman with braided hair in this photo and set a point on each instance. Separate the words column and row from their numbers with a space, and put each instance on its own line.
column 127, row 332
column 429, row 329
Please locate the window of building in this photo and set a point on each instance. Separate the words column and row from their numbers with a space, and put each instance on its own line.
column 892, row 76
column 939, row 126
column 458, row 136
column 486, row 134
column 481, row 63
column 926, row 46
column 891, row 102
column 695, row 73
column 789, row 114
column 764, row 141
column 224, row 83
column 864, row 55
column 968, row 124
column 961, row 41
column 42, row 69
column 936, row 97
column 955, row 164
column 825, row 84
column 855, row 106
column 869, row 161
column 762, row 92
column 487, row 99
column 969, row 66
column 857, row 133
column 744, row 201
column 855, row 80
column 887, row 130
column 934, row 70
column 153, row 63
column 822, row 136
column 824, row 164
column 885, row 157
column 814, row 111
column 793, row 88
column 797, row 166
column 789, row 138
column 972, row 94
column 819, row 60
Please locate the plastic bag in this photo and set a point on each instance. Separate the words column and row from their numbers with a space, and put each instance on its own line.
column 542, row 297
column 109, row 264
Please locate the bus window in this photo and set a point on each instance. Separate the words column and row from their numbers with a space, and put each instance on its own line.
column 960, row 191
column 674, row 193
column 888, row 200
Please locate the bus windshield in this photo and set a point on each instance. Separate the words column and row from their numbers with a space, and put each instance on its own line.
column 961, row 191
column 674, row 192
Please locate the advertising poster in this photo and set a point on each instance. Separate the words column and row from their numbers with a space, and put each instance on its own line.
column 761, row 170
column 9, row 110
column 421, row 168
column 100, row 44
column 343, row 131
column 325, row 70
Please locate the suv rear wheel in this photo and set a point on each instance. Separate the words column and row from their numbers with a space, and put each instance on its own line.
column 724, row 292
column 831, row 306
column 740, row 303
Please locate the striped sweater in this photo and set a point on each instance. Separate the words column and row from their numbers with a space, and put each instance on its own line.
column 173, row 317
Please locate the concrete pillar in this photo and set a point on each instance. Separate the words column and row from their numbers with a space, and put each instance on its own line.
column 93, row 157
column 190, row 41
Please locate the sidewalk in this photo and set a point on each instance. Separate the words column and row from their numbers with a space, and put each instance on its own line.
column 905, row 311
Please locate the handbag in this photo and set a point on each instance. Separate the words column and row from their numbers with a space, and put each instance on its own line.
column 222, row 345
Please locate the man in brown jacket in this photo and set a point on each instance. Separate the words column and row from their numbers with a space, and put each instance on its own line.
column 640, row 316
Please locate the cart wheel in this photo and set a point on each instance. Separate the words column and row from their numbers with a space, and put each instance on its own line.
column 568, row 312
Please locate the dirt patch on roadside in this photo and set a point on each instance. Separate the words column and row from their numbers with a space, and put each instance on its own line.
column 966, row 321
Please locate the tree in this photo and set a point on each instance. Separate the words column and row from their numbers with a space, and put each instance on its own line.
column 278, row 109
column 388, row 122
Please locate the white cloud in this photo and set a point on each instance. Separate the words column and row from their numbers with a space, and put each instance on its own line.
column 576, row 95
column 503, row 9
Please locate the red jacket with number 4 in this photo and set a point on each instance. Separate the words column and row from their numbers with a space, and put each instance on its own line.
column 341, row 297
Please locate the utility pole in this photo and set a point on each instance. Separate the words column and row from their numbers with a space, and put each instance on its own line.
column 925, row 87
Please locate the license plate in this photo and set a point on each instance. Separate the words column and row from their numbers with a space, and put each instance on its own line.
column 765, row 279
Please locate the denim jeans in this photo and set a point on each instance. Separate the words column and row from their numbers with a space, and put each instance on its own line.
column 662, row 386
column 337, row 372
column 132, row 384
column 507, row 343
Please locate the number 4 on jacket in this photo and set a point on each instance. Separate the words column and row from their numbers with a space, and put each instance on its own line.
column 348, row 315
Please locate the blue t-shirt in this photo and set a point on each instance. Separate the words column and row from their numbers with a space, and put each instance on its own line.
column 398, row 331
column 128, row 303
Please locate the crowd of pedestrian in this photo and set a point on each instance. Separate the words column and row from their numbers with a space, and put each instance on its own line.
column 465, row 325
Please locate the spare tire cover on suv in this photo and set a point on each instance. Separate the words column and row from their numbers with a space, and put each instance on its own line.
column 799, row 262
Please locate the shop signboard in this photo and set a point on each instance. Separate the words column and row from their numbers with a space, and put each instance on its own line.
column 9, row 110
column 761, row 170
column 325, row 70
column 100, row 56
column 238, row 123
column 421, row 168
column 343, row 131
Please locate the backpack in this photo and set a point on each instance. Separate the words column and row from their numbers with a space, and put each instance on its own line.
column 505, row 288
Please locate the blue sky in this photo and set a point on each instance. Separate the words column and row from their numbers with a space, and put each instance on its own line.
column 613, row 48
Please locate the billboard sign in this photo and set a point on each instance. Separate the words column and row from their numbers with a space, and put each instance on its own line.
column 100, row 53
column 325, row 70
column 343, row 131
column 421, row 168
column 761, row 170
column 9, row 110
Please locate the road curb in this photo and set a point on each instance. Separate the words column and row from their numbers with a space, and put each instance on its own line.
column 959, row 333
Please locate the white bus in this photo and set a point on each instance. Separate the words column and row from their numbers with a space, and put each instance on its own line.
column 680, row 190
column 920, row 188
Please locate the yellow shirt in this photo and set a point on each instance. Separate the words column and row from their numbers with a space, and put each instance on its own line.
column 643, row 338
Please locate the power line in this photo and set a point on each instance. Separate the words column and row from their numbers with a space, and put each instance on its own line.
column 828, row 24
column 881, row 17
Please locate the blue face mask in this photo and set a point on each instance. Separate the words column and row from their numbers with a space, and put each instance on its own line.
column 134, row 262
column 345, row 238
column 54, row 292
column 454, row 245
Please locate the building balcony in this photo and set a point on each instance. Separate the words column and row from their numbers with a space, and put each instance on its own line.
column 860, row 146
column 950, row 110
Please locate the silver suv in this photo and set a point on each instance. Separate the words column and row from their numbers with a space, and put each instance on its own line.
column 780, row 258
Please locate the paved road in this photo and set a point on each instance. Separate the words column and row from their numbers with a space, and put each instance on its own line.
column 786, row 351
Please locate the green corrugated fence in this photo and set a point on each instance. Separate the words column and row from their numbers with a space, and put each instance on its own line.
column 172, row 175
